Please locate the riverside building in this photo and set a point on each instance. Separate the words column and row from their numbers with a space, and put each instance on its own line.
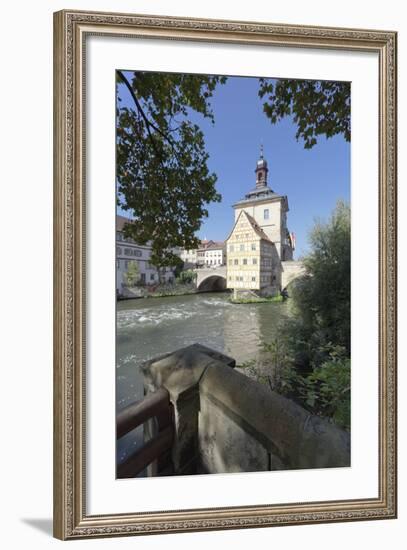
column 128, row 250
column 259, row 245
column 209, row 254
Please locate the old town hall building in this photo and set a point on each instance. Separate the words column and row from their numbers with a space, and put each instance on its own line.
column 260, row 244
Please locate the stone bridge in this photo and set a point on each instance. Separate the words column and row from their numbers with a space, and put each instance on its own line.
column 211, row 278
column 290, row 270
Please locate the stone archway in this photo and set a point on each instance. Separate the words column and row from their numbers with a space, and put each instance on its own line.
column 212, row 283
column 291, row 270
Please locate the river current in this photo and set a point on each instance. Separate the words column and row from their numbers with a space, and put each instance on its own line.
column 150, row 327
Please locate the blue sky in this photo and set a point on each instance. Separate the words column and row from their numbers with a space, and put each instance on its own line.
column 313, row 179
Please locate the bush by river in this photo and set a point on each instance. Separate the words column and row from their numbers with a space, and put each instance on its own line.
column 309, row 361
column 183, row 285
column 158, row 291
column 175, row 289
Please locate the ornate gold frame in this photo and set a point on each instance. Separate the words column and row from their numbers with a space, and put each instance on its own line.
column 70, row 31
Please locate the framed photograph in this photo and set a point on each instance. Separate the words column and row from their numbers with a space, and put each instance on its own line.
column 225, row 274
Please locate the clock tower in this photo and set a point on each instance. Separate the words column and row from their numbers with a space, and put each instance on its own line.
column 269, row 210
column 261, row 171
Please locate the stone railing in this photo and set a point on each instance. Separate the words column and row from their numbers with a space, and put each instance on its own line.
column 226, row 422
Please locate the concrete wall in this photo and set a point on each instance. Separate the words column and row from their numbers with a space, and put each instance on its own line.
column 226, row 422
column 244, row 426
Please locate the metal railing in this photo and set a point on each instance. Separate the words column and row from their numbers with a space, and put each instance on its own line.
column 155, row 405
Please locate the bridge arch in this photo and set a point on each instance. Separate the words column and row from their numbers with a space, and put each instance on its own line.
column 211, row 279
column 290, row 271
column 212, row 283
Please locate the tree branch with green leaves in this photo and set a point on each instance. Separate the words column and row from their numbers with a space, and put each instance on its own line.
column 316, row 107
column 163, row 177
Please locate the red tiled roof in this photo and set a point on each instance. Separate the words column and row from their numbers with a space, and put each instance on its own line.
column 257, row 228
column 215, row 246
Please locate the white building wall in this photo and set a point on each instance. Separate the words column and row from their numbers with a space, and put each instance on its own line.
column 189, row 257
column 244, row 255
column 271, row 225
column 214, row 256
column 127, row 251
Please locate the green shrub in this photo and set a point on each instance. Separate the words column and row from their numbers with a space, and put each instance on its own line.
column 132, row 275
column 310, row 361
column 321, row 298
column 186, row 277
column 327, row 389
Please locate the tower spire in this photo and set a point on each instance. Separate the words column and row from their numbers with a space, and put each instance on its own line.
column 261, row 169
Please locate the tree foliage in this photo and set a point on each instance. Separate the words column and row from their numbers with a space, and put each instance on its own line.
column 318, row 338
column 317, row 107
column 327, row 389
column 322, row 296
column 162, row 172
column 310, row 360
column 132, row 274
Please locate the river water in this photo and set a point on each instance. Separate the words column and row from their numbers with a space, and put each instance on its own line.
column 150, row 327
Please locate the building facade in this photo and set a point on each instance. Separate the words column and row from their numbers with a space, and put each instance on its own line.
column 209, row 254
column 189, row 257
column 215, row 255
column 127, row 251
column 260, row 240
column 250, row 256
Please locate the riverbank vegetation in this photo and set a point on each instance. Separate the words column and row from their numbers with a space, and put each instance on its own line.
column 256, row 299
column 158, row 291
column 186, row 277
column 184, row 283
column 174, row 289
column 310, row 360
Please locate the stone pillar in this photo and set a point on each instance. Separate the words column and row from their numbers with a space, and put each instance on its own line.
column 180, row 372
